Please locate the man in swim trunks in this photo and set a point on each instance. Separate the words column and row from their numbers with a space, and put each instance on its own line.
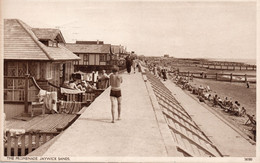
column 115, row 94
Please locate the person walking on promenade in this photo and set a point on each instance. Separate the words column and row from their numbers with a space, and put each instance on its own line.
column 115, row 93
column 247, row 84
column 134, row 64
column 164, row 74
column 128, row 64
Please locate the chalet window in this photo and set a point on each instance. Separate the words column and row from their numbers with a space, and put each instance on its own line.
column 33, row 68
column 76, row 62
column 102, row 58
column 45, row 69
column 49, row 70
column 81, row 59
column 45, row 42
column 16, row 69
column 85, row 60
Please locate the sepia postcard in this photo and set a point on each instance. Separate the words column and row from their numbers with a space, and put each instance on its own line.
column 129, row 81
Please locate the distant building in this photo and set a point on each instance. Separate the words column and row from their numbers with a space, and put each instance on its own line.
column 166, row 55
column 94, row 55
column 118, row 52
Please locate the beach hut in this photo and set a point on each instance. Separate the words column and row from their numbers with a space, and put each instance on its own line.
column 33, row 58
column 94, row 56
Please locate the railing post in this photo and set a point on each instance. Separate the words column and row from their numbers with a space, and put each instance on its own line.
column 15, row 144
column 245, row 78
column 231, row 76
column 9, row 142
column 216, row 76
column 26, row 93
column 23, row 145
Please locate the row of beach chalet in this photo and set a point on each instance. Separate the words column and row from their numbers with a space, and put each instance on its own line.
column 37, row 63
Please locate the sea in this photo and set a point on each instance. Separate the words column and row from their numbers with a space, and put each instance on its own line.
column 246, row 61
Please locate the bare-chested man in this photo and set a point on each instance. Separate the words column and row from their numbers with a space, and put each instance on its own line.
column 115, row 94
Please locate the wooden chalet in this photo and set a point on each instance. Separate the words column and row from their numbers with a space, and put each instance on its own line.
column 33, row 58
column 94, row 55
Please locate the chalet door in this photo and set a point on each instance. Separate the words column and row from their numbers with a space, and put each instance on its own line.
column 92, row 59
column 97, row 59
column 62, row 73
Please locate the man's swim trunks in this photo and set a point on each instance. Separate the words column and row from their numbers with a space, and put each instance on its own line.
column 116, row 94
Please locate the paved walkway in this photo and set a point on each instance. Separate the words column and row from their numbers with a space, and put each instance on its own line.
column 93, row 134
column 227, row 140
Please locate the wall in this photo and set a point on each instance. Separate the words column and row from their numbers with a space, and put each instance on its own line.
column 12, row 110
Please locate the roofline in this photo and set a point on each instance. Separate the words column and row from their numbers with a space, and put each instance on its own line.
column 61, row 36
column 36, row 41
column 41, row 60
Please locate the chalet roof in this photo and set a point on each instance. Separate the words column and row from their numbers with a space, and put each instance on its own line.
column 116, row 49
column 89, row 48
column 48, row 34
column 21, row 43
column 90, row 42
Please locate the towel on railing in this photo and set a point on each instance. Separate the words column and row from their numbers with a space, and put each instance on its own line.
column 49, row 99
column 54, row 98
column 70, row 91
column 70, row 107
column 16, row 131
column 41, row 94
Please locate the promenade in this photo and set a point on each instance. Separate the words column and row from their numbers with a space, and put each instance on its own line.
column 94, row 135
column 143, row 130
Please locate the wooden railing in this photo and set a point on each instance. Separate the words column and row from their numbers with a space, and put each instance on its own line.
column 228, row 67
column 86, row 97
column 22, row 144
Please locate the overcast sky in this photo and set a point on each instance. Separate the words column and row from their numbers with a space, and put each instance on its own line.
column 180, row 29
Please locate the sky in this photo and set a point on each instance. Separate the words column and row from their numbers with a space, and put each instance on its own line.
column 191, row 29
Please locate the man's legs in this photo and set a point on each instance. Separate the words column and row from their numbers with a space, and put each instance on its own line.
column 119, row 99
column 113, row 100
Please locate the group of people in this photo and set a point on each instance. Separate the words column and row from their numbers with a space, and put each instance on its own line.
column 159, row 71
column 114, row 80
column 204, row 94
column 85, row 85
column 131, row 62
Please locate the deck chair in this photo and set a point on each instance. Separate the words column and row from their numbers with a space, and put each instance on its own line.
column 250, row 119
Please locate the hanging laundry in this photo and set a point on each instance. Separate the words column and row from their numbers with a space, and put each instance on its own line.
column 70, row 91
column 70, row 107
column 41, row 95
column 54, row 101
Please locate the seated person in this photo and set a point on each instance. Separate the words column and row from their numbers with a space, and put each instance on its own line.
column 242, row 112
column 208, row 89
column 215, row 100
column 201, row 99
column 201, row 89
column 236, row 108
column 73, row 85
column 219, row 100
column 66, row 84
column 81, row 86
column 207, row 96
column 225, row 102
column 87, row 86
column 103, row 79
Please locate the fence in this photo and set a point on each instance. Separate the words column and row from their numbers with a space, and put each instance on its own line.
column 220, row 76
column 228, row 67
column 22, row 144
